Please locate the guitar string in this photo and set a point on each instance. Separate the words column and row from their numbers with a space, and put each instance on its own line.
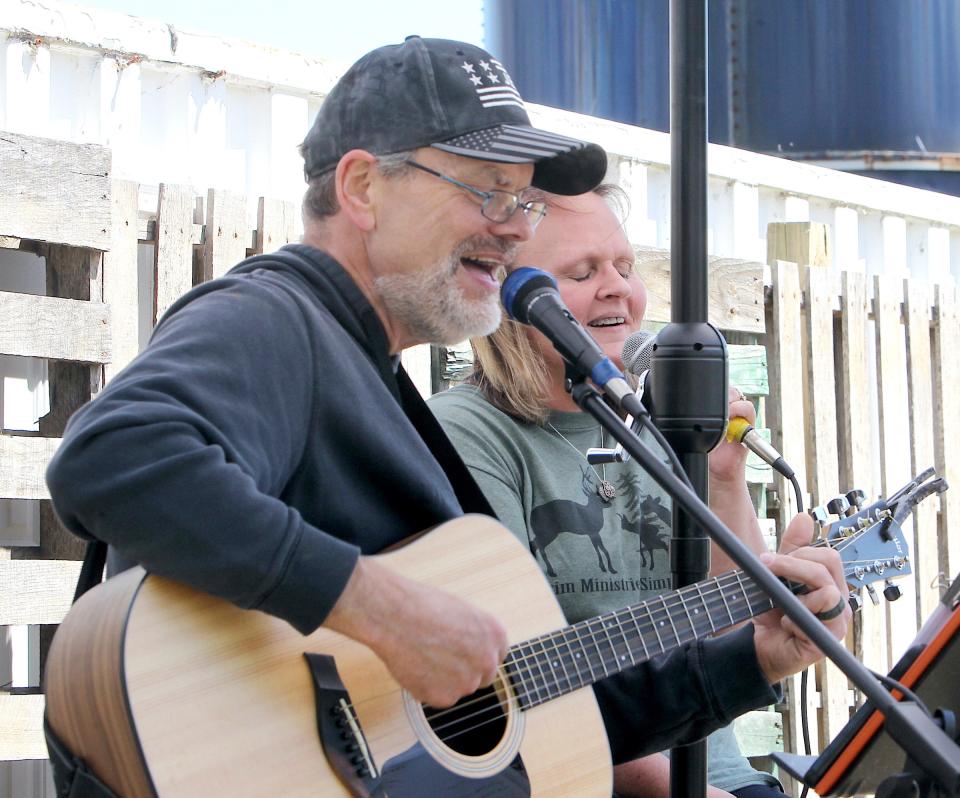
column 592, row 633
column 713, row 600
column 496, row 707
column 736, row 576
column 525, row 673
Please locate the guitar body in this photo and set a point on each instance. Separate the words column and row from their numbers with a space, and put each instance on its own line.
column 167, row 691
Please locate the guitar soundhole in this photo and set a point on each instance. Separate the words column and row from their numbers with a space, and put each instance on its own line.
column 473, row 726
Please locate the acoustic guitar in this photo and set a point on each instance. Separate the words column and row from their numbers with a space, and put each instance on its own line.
column 166, row 691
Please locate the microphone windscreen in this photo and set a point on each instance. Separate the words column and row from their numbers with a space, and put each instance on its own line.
column 637, row 352
column 519, row 285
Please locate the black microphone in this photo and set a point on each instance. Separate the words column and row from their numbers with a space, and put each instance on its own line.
column 530, row 296
column 636, row 360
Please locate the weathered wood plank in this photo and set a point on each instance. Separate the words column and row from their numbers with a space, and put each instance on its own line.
column 36, row 591
column 55, row 191
column 748, row 368
column 21, row 727
column 736, row 290
column 276, row 224
column 894, row 445
column 121, row 279
column 23, row 461
column 821, row 289
column 61, row 329
column 804, row 243
column 856, row 446
column 227, row 234
column 926, row 565
column 787, row 424
column 947, row 420
column 173, row 253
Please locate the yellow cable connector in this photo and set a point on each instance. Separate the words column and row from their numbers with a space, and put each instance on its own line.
column 737, row 428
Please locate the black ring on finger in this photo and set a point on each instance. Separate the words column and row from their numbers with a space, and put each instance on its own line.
column 829, row 615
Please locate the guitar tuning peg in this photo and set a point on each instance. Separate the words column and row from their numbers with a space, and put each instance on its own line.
column 838, row 506
column 820, row 515
column 855, row 601
column 891, row 592
column 871, row 591
column 856, row 497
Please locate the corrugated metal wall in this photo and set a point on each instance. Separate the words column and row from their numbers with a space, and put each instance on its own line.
column 872, row 86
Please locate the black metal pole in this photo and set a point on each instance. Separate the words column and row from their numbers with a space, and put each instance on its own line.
column 688, row 296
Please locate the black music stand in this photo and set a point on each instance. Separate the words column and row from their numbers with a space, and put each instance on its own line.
column 863, row 759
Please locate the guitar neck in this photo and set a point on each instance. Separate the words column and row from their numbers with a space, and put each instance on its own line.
column 554, row 664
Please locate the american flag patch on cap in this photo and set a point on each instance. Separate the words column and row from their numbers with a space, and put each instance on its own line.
column 492, row 83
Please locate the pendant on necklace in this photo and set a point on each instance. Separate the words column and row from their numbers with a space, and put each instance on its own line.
column 606, row 490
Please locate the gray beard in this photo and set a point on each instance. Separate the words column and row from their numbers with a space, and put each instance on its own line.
column 433, row 307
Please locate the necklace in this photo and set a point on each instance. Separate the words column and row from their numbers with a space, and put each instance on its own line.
column 606, row 490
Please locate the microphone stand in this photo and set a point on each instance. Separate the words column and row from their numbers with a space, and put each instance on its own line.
column 679, row 380
column 907, row 723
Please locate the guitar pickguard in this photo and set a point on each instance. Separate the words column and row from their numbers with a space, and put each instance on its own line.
column 408, row 775
column 415, row 773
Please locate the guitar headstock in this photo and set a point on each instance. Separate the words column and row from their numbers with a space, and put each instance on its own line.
column 870, row 539
column 873, row 548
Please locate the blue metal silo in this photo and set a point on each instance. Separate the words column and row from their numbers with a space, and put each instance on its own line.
column 870, row 86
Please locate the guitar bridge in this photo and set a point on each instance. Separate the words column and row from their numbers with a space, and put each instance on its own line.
column 341, row 737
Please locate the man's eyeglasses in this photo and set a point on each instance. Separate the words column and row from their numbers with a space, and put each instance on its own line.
column 497, row 206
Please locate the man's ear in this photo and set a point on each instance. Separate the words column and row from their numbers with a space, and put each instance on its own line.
column 356, row 171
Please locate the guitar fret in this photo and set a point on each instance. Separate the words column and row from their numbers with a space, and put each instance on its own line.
column 613, row 646
column 656, row 631
column 686, row 611
column 760, row 601
column 673, row 626
column 583, row 649
column 597, row 644
column 538, row 660
column 559, row 660
column 713, row 627
column 626, row 643
column 575, row 656
column 534, row 684
column 551, row 660
column 512, row 664
column 643, row 642
column 723, row 598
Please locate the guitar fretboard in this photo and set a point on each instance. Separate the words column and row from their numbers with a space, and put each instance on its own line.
column 554, row 664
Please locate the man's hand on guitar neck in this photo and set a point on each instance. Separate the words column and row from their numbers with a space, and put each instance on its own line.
column 782, row 649
column 437, row 646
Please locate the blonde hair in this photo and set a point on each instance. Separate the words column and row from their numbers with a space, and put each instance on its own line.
column 510, row 373
column 507, row 368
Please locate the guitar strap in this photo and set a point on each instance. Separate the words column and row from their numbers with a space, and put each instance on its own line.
column 468, row 493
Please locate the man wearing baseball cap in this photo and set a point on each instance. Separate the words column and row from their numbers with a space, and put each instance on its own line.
column 267, row 440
